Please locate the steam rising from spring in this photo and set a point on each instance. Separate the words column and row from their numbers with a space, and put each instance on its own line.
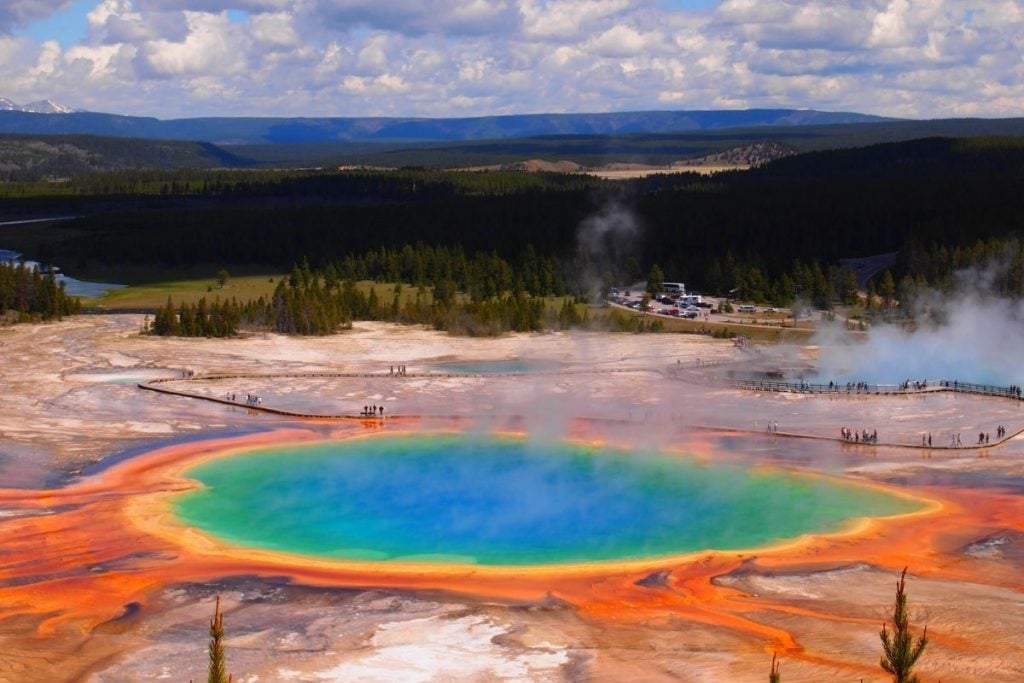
column 972, row 335
column 605, row 242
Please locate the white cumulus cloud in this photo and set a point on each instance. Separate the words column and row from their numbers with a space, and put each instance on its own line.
column 437, row 57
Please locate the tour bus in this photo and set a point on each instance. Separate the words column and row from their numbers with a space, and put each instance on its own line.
column 673, row 287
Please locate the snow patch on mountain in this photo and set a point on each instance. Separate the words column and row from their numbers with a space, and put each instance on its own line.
column 39, row 107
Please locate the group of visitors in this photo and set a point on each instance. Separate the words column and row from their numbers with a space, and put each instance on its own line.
column 397, row 371
column 773, row 427
column 984, row 438
column 372, row 411
column 863, row 436
column 918, row 385
column 250, row 399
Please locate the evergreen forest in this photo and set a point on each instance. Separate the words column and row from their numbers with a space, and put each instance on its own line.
column 497, row 239
column 28, row 294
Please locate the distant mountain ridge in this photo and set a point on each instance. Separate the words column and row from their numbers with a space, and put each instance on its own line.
column 60, row 156
column 40, row 107
column 253, row 130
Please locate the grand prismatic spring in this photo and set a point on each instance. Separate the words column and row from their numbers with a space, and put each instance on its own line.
column 507, row 502
column 552, row 507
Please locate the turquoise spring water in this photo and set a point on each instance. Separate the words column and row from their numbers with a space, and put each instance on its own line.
column 496, row 367
column 496, row 501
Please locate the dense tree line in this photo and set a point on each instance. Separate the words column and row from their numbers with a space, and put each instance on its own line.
column 936, row 265
column 201, row 319
column 406, row 184
column 313, row 302
column 28, row 294
column 771, row 234
column 482, row 276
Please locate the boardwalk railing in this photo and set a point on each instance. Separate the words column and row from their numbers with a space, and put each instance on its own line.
column 811, row 388
column 845, row 389
column 986, row 389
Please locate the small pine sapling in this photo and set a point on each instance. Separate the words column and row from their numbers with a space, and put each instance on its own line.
column 218, row 660
column 900, row 651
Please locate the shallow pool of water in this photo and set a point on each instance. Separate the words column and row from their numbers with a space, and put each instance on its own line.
column 497, row 367
column 508, row 502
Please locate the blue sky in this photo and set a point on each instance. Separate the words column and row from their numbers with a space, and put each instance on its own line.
column 695, row 5
column 908, row 58
column 66, row 27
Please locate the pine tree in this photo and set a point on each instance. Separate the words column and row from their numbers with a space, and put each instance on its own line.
column 900, row 652
column 887, row 288
column 655, row 279
column 218, row 661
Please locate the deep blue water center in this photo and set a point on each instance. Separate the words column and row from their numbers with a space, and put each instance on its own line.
column 499, row 501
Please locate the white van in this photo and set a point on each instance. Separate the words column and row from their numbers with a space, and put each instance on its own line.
column 747, row 308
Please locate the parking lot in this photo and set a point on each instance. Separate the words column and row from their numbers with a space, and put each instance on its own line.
column 699, row 308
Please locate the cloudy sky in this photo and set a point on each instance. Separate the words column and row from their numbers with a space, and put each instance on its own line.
column 173, row 58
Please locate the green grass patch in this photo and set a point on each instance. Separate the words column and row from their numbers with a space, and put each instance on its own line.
column 149, row 288
column 154, row 294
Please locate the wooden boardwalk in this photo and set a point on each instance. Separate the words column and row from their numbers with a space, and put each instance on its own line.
column 688, row 372
column 157, row 385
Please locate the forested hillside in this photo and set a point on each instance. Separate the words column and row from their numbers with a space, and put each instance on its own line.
column 63, row 156
column 769, row 234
